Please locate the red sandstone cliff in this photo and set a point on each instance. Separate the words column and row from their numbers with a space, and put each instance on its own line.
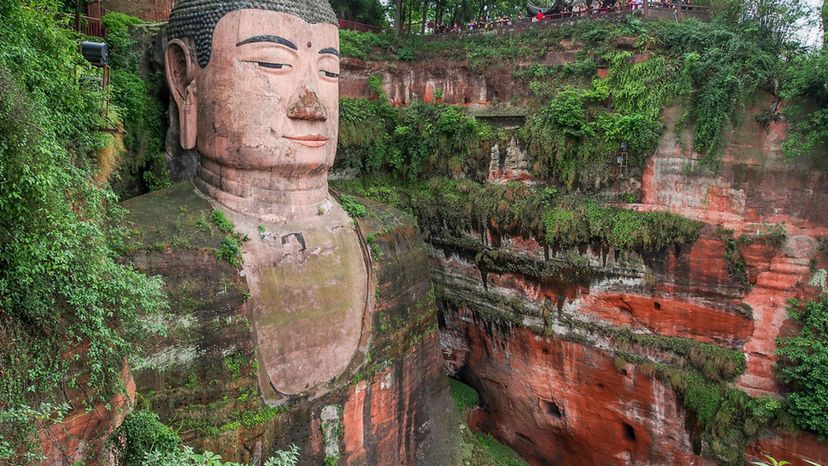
column 555, row 391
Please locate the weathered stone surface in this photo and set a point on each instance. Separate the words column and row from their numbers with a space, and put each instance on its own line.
column 81, row 435
column 523, row 338
column 406, row 82
column 561, row 402
column 202, row 377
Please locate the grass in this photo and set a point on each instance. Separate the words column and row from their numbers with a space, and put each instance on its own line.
column 479, row 448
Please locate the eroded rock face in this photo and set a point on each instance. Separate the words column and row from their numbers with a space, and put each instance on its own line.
column 405, row 82
column 541, row 350
column 392, row 402
column 82, row 434
column 561, row 402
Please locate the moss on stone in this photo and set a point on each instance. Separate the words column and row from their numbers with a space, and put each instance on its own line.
column 172, row 215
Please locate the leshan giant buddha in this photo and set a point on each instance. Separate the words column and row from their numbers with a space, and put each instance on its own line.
column 287, row 327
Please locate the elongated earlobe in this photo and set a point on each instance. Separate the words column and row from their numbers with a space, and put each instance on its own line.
column 181, row 73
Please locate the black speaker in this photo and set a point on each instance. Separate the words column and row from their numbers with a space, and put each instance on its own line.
column 96, row 53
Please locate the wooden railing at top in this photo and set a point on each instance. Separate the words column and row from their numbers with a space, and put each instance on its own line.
column 646, row 8
column 356, row 26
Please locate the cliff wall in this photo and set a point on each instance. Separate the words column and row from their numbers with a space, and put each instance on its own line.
column 561, row 385
column 590, row 364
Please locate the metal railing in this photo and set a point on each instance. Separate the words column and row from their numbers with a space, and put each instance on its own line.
column 91, row 26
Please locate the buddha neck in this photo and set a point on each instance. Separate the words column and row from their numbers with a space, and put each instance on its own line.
column 265, row 194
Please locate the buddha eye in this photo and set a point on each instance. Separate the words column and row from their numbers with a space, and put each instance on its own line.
column 273, row 66
column 269, row 65
column 329, row 74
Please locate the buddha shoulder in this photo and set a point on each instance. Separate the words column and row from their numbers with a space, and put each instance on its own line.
column 177, row 217
column 176, row 233
column 394, row 242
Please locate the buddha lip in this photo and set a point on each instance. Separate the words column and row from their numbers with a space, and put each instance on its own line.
column 309, row 140
column 308, row 137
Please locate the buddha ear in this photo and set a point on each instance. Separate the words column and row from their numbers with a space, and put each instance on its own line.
column 181, row 73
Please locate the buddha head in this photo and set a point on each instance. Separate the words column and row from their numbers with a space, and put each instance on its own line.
column 256, row 85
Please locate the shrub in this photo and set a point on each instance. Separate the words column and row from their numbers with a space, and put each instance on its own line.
column 62, row 291
column 351, row 206
column 141, row 433
column 804, row 366
column 136, row 103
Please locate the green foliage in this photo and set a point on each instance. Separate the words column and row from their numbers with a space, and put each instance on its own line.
column 352, row 206
column 230, row 250
column 422, row 139
column 364, row 131
column 219, row 219
column 772, row 235
column 480, row 449
column 465, row 398
column 583, row 223
column 711, row 361
column 722, row 63
column 233, row 363
column 727, row 417
column 806, row 89
column 576, row 137
column 142, row 432
column 64, row 299
column 142, row 440
column 363, row 45
column 364, row 11
column 803, row 365
column 120, row 41
column 434, row 139
column 284, row 457
column 772, row 462
column 135, row 101
column 448, row 207
column 489, row 452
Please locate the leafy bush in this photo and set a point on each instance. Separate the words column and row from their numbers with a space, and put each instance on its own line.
column 142, row 440
column 804, row 366
column 806, row 89
column 576, row 136
column 420, row 139
column 142, row 432
column 351, row 206
column 63, row 296
column 723, row 63
column 120, row 41
column 363, row 45
column 137, row 104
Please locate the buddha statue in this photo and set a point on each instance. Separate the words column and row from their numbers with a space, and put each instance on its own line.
column 257, row 95
column 286, row 326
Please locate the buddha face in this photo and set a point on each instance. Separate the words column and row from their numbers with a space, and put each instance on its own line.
column 267, row 99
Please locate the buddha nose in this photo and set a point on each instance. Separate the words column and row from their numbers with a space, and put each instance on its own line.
column 307, row 107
